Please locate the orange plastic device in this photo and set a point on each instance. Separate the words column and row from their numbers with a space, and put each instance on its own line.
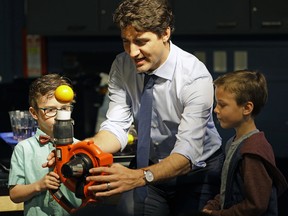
column 73, row 162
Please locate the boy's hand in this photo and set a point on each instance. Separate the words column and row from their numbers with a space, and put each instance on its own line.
column 207, row 211
column 49, row 181
column 50, row 160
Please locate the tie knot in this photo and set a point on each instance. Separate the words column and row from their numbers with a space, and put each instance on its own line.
column 149, row 80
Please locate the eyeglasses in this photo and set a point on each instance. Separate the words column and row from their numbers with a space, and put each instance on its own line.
column 52, row 111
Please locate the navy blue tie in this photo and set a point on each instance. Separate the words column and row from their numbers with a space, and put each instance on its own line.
column 144, row 122
column 144, row 128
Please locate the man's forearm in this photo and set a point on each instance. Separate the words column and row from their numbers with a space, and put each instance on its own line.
column 172, row 166
column 107, row 141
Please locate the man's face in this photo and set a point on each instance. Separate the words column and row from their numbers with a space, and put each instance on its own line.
column 146, row 49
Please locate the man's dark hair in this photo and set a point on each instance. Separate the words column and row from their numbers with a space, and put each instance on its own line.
column 145, row 15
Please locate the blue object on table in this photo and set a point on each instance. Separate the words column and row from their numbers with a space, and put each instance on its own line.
column 8, row 138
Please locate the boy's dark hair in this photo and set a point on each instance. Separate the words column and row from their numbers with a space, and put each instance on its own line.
column 145, row 15
column 46, row 85
column 246, row 86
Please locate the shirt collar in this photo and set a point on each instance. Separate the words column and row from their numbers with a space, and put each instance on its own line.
column 166, row 70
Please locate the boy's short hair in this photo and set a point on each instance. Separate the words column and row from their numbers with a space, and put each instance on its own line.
column 46, row 85
column 246, row 86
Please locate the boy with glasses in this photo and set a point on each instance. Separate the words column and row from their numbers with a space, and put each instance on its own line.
column 29, row 182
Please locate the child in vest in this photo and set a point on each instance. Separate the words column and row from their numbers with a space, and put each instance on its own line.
column 250, row 180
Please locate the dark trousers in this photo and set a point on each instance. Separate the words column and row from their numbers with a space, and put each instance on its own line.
column 179, row 196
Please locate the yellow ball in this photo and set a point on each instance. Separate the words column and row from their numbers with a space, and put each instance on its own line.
column 64, row 94
column 130, row 139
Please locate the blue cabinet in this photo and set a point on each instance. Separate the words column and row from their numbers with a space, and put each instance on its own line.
column 269, row 17
column 202, row 17
column 226, row 17
column 70, row 17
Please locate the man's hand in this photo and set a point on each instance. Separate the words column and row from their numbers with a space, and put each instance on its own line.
column 114, row 180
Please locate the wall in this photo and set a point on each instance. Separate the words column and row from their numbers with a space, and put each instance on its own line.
column 11, row 30
column 268, row 55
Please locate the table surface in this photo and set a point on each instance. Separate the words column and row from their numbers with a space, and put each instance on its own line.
column 8, row 138
column 6, row 205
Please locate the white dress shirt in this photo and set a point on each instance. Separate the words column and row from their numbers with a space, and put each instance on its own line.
column 182, row 107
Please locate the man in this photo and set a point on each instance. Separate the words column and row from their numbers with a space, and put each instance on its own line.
column 185, row 169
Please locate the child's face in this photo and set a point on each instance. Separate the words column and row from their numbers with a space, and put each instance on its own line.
column 46, row 123
column 229, row 114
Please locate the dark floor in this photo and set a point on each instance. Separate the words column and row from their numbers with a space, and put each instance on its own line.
column 282, row 164
column 12, row 213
